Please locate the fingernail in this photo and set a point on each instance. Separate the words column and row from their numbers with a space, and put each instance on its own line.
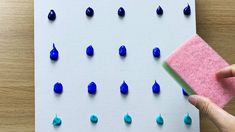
column 192, row 99
column 218, row 75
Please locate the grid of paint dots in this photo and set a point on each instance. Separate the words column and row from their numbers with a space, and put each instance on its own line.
column 58, row 87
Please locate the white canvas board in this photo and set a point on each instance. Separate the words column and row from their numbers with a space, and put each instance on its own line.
column 140, row 31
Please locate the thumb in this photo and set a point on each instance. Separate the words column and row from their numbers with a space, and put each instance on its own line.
column 217, row 115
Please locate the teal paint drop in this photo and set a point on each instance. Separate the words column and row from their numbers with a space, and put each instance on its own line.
column 56, row 121
column 159, row 120
column 94, row 119
column 127, row 119
column 187, row 119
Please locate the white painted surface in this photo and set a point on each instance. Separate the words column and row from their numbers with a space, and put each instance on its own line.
column 140, row 31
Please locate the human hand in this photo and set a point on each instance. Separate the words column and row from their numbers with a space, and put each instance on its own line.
column 227, row 72
column 224, row 121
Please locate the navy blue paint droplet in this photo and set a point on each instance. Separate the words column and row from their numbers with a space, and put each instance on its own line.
column 122, row 51
column 58, row 88
column 90, row 51
column 184, row 92
column 156, row 88
column 187, row 10
column 159, row 10
column 92, row 88
column 156, row 52
column 54, row 54
column 121, row 12
column 124, row 88
column 89, row 12
column 52, row 15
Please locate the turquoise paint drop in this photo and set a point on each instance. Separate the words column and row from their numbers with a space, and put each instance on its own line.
column 56, row 121
column 93, row 119
column 187, row 119
column 127, row 119
column 159, row 120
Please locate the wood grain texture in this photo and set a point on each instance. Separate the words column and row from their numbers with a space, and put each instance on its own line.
column 215, row 23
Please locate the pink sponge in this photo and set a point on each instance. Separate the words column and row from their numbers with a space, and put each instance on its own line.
column 197, row 63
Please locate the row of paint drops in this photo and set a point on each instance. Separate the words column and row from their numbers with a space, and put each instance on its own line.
column 92, row 88
column 54, row 53
column 121, row 12
column 57, row 121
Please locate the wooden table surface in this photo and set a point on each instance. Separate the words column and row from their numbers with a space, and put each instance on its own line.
column 215, row 23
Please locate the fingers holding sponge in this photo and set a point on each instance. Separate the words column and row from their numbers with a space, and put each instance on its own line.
column 197, row 64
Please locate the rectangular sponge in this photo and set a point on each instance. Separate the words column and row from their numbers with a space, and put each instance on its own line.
column 197, row 63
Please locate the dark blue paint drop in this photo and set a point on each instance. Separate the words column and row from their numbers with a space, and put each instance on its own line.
column 89, row 12
column 184, row 92
column 92, row 88
column 156, row 52
column 121, row 12
column 124, row 88
column 90, row 51
column 159, row 10
column 187, row 10
column 122, row 51
column 156, row 88
column 52, row 15
column 54, row 54
column 58, row 88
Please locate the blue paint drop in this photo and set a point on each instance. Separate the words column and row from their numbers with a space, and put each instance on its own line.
column 184, row 92
column 122, row 51
column 92, row 88
column 187, row 119
column 156, row 52
column 127, row 119
column 156, row 88
column 58, row 88
column 52, row 15
column 159, row 10
column 159, row 120
column 124, row 88
column 93, row 119
column 90, row 51
column 56, row 121
column 89, row 12
column 54, row 54
column 121, row 12
column 187, row 10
